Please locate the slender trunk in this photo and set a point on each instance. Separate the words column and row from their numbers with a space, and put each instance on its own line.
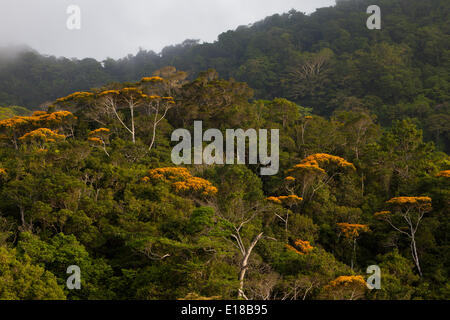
column 22, row 216
column 106, row 152
column 353, row 253
column 362, row 184
column 306, row 292
column 303, row 134
column 415, row 255
column 244, row 265
column 96, row 194
column 286, row 227
column 132, row 123
column 155, row 123
column 25, row 226
column 353, row 294
column 242, row 273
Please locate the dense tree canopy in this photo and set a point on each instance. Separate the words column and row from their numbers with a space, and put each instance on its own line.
column 326, row 61
column 88, row 180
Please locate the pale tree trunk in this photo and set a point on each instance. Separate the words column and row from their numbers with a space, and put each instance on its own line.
column 353, row 294
column 22, row 216
column 104, row 149
column 25, row 226
column 415, row 254
column 14, row 140
column 413, row 226
column 156, row 121
column 112, row 105
column 286, row 225
column 413, row 229
column 303, row 133
column 353, row 253
column 132, row 123
column 362, row 184
column 244, row 265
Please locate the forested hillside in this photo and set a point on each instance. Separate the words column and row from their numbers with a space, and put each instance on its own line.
column 400, row 70
column 86, row 178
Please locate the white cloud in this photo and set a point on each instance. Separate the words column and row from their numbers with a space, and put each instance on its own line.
column 117, row 27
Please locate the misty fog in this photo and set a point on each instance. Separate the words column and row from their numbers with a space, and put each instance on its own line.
column 115, row 28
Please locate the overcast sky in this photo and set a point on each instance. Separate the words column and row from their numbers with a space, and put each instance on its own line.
column 115, row 28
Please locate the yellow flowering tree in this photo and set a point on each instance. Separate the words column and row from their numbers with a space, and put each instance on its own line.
column 168, row 79
column 14, row 128
column 142, row 96
column 351, row 233
column 88, row 104
column 157, row 107
column 116, row 101
column 41, row 137
column 300, row 247
column 409, row 212
column 444, row 174
column 152, row 80
column 345, row 288
column 156, row 87
column 99, row 138
column 62, row 121
column 125, row 104
column 314, row 172
column 76, row 96
column 289, row 202
column 182, row 182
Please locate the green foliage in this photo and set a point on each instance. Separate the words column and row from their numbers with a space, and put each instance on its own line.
column 20, row 279
column 9, row 112
column 201, row 218
column 400, row 67
column 60, row 252
column 379, row 100
column 398, row 279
